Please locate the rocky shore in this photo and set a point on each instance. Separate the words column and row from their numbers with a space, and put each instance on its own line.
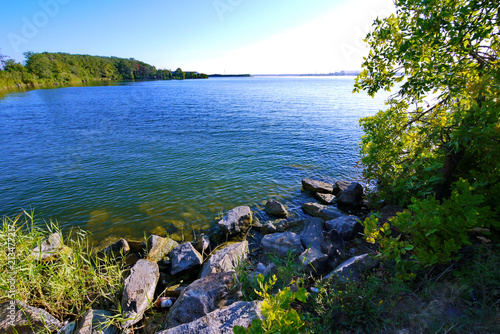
column 200, row 277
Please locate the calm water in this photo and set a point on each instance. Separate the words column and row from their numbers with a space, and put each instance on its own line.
column 128, row 158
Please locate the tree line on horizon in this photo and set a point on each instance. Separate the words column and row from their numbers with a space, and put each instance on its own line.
column 62, row 68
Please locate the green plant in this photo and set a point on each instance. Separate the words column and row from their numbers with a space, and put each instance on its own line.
column 278, row 315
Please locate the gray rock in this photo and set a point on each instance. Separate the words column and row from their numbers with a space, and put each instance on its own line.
column 116, row 249
column 138, row 290
column 49, row 248
column 269, row 228
column 351, row 269
column 17, row 317
column 352, row 195
column 96, row 322
column 327, row 199
column 236, row 221
column 275, row 208
column 221, row 321
column 226, row 259
column 388, row 212
column 320, row 211
column 317, row 186
column 67, row 328
column 282, row 225
column 314, row 261
column 261, row 270
column 158, row 247
column 185, row 258
column 312, row 235
column 202, row 297
column 202, row 243
column 282, row 243
column 342, row 185
column 347, row 227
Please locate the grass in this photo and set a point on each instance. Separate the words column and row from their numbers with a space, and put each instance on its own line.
column 66, row 286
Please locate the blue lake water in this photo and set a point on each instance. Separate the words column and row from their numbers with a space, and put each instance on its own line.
column 129, row 158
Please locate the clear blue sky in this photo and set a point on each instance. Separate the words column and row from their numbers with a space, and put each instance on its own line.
column 247, row 36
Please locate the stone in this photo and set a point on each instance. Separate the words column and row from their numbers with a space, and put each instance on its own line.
column 320, row 211
column 226, row 259
column 185, row 258
column 158, row 247
column 236, row 221
column 387, row 212
column 327, row 199
column 137, row 246
column 269, row 228
column 282, row 243
column 202, row 297
column 347, row 227
column 116, row 249
column 138, row 290
column 261, row 270
column 352, row 195
column 95, row 322
column 318, row 186
column 221, row 321
column 314, row 261
column 132, row 259
column 312, row 235
column 49, row 248
column 351, row 269
column 202, row 243
column 275, row 208
column 282, row 225
column 17, row 317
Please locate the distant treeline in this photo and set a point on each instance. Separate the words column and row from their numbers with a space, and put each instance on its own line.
column 63, row 68
column 228, row 75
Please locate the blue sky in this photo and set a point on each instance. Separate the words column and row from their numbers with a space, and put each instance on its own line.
column 211, row 36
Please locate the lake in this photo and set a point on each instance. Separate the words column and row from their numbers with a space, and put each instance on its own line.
column 128, row 159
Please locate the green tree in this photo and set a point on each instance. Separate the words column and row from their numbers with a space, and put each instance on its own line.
column 179, row 75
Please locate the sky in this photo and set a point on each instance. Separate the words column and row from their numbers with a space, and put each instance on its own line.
column 209, row 36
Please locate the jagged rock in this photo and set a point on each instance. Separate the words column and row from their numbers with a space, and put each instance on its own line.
column 256, row 224
column 226, row 259
column 320, row 211
column 202, row 297
column 275, row 208
column 158, row 247
column 347, row 227
column 282, row 225
column 17, row 317
column 137, row 246
column 312, row 235
column 221, row 321
column 184, row 258
column 388, row 212
column 314, row 261
column 202, row 243
column 236, row 221
column 67, row 328
column 282, row 243
column 95, row 322
column 351, row 269
column 116, row 249
column 352, row 195
column 261, row 270
column 343, row 185
column 327, row 199
column 318, row 186
column 49, row 248
column 269, row 228
column 138, row 290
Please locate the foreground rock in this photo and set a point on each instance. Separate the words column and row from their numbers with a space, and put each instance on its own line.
column 347, row 227
column 236, row 221
column 49, row 248
column 95, row 322
column 138, row 290
column 312, row 235
column 226, row 259
column 185, row 258
column 202, row 297
column 17, row 317
column 158, row 247
column 351, row 269
column 275, row 208
column 282, row 243
column 318, row 186
column 221, row 321
column 352, row 195
column 261, row 270
column 320, row 211
column 202, row 243
column 314, row 261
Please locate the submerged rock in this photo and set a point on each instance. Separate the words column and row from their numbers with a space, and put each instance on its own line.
column 327, row 199
column 17, row 317
column 236, row 221
column 282, row 243
column 226, row 259
column 320, row 211
column 275, row 208
column 185, row 258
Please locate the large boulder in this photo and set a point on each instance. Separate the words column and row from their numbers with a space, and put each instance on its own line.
column 342, row 185
column 318, row 186
column 347, row 227
column 320, row 211
column 17, row 317
column 351, row 269
column 96, row 322
column 185, row 258
column 236, row 221
column 352, row 195
column 221, row 321
column 202, row 297
column 138, row 290
column 226, row 259
column 275, row 208
column 158, row 247
column 49, row 248
column 312, row 234
column 314, row 261
column 282, row 243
